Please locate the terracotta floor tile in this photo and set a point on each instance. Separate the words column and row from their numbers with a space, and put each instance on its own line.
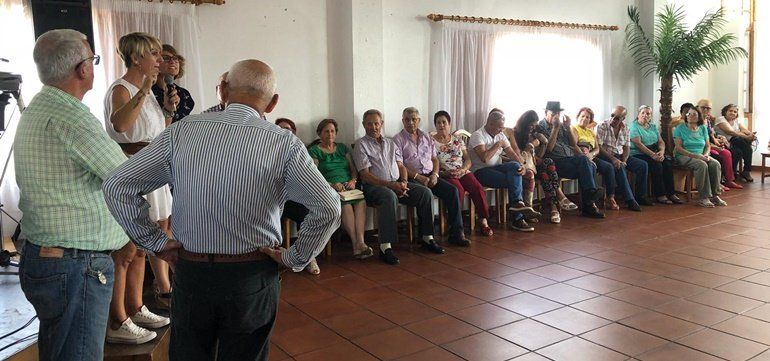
column 442, row 329
column 404, row 312
column 348, row 284
column 701, row 278
column 358, row 324
column 608, row 308
column 330, row 308
column 747, row 289
column 673, row 351
column 577, row 349
column 448, row 301
column 744, row 260
column 551, row 255
column 387, row 276
column 725, row 301
column 339, row 351
column 484, row 347
column 525, row 281
column 522, row 262
column 530, row 334
column 755, row 240
column 313, row 336
column 532, row 356
column 728, row 246
column 375, row 296
column 760, row 313
column 307, row 295
column 762, row 278
column 486, row 316
column 765, row 356
column 587, row 264
column 527, row 304
column 392, row 344
column 725, row 269
column 624, row 339
column 642, row 250
column 418, row 287
column 763, row 253
column 694, row 312
column 289, row 318
column 571, row 320
column 432, row 354
column 672, row 287
column 748, row 328
column 490, row 269
column 487, row 290
column 641, row 297
column 276, row 354
column 597, row 284
column 563, row 293
column 459, row 259
column 723, row 345
column 657, row 267
column 557, row 272
column 705, row 252
column 661, row 325
column 454, row 276
column 627, row 275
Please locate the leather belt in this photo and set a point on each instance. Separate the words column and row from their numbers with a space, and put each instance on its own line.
column 132, row 148
column 221, row 258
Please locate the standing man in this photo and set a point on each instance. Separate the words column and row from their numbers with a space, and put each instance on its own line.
column 62, row 156
column 570, row 162
column 386, row 184
column 227, row 217
column 419, row 153
column 612, row 137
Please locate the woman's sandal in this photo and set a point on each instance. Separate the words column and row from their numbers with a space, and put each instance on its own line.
column 312, row 267
column 567, row 205
column 487, row 231
column 363, row 254
column 555, row 217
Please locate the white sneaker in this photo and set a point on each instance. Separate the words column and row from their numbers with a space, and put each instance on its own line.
column 718, row 201
column 129, row 333
column 147, row 319
column 705, row 202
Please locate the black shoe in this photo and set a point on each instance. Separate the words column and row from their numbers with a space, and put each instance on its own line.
column 459, row 241
column 433, row 247
column 633, row 206
column 592, row 212
column 595, row 194
column 522, row 226
column 643, row 201
column 388, row 257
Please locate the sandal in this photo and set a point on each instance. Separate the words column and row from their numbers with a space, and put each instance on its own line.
column 675, row 199
column 555, row 217
column 664, row 200
column 487, row 231
column 312, row 267
column 364, row 254
column 611, row 204
column 567, row 205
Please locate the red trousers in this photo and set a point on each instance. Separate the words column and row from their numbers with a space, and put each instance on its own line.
column 469, row 183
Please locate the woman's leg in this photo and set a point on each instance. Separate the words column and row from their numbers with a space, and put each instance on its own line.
column 528, row 181
column 360, row 215
column 478, row 196
column 160, row 268
column 349, row 223
column 715, row 174
column 702, row 179
column 727, row 165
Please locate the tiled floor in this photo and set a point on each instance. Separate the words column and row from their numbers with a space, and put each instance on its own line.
column 670, row 283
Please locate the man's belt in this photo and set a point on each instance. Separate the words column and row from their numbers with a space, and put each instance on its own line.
column 221, row 258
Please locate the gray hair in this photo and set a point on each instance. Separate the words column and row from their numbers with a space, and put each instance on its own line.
column 252, row 76
column 410, row 111
column 495, row 115
column 643, row 107
column 56, row 54
column 372, row 112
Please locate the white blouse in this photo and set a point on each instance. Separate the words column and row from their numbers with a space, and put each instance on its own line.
column 150, row 123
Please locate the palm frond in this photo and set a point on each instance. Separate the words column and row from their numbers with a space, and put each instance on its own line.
column 639, row 44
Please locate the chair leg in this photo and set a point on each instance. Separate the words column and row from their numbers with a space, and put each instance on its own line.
column 688, row 186
column 472, row 212
column 503, row 198
column 441, row 217
column 410, row 224
column 286, row 227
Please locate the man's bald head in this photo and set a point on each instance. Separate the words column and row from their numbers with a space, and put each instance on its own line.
column 251, row 77
column 619, row 112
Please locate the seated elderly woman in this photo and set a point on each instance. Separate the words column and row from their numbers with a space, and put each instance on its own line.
column 336, row 165
column 455, row 165
column 691, row 150
column 720, row 147
column 647, row 145
column 740, row 139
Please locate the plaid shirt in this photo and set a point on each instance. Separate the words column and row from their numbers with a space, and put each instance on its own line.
column 605, row 136
column 62, row 155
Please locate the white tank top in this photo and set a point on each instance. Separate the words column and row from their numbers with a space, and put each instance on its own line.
column 149, row 124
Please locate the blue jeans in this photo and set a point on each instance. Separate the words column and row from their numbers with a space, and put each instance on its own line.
column 617, row 181
column 70, row 300
column 504, row 175
column 577, row 167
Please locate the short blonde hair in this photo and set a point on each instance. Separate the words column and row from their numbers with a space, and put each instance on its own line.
column 136, row 44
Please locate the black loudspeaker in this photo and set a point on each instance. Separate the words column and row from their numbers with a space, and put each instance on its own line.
column 63, row 14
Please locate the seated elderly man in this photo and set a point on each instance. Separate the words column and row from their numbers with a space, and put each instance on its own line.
column 488, row 144
column 613, row 139
column 419, row 156
column 570, row 160
column 385, row 183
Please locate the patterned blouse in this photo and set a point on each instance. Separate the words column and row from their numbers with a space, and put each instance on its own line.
column 450, row 155
column 186, row 102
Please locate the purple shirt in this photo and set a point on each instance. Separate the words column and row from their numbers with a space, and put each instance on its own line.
column 417, row 155
column 380, row 156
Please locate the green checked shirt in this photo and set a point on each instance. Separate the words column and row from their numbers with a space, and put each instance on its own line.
column 62, row 155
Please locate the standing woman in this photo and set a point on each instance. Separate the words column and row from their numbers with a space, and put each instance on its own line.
column 740, row 139
column 173, row 66
column 647, row 145
column 133, row 119
column 691, row 150
column 455, row 163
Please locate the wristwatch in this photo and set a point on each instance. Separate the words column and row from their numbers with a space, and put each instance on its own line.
column 167, row 113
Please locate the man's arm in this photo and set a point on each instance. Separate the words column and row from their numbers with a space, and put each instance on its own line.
column 91, row 148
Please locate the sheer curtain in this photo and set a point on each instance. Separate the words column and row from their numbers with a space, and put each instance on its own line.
column 475, row 67
column 172, row 23
column 761, row 120
column 18, row 40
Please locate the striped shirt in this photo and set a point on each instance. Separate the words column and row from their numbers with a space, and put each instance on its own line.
column 605, row 136
column 231, row 172
column 62, row 155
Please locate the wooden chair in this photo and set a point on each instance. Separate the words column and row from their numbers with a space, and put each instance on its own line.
column 286, row 230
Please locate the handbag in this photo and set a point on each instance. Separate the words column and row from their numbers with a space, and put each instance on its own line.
column 351, row 195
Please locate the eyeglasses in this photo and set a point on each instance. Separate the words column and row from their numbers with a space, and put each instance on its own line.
column 171, row 58
column 95, row 59
column 705, row 107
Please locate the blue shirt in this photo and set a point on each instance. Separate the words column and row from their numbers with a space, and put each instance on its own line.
column 231, row 172
column 694, row 141
column 648, row 136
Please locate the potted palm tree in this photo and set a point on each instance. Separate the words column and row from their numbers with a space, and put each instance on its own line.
column 677, row 52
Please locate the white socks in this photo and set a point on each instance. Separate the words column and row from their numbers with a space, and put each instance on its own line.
column 384, row 247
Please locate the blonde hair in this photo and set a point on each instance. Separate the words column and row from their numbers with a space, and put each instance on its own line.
column 136, row 44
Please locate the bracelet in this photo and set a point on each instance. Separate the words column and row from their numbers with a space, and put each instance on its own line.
column 167, row 113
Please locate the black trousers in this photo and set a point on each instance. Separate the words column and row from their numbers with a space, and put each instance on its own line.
column 223, row 311
column 661, row 175
column 741, row 149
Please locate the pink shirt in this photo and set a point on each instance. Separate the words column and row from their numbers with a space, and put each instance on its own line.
column 417, row 154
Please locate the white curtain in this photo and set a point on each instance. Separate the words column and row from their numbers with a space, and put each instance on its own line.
column 476, row 67
column 18, row 40
column 173, row 23
column 461, row 72
column 761, row 116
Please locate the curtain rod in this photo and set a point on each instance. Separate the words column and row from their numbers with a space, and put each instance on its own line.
column 192, row 2
column 516, row 22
